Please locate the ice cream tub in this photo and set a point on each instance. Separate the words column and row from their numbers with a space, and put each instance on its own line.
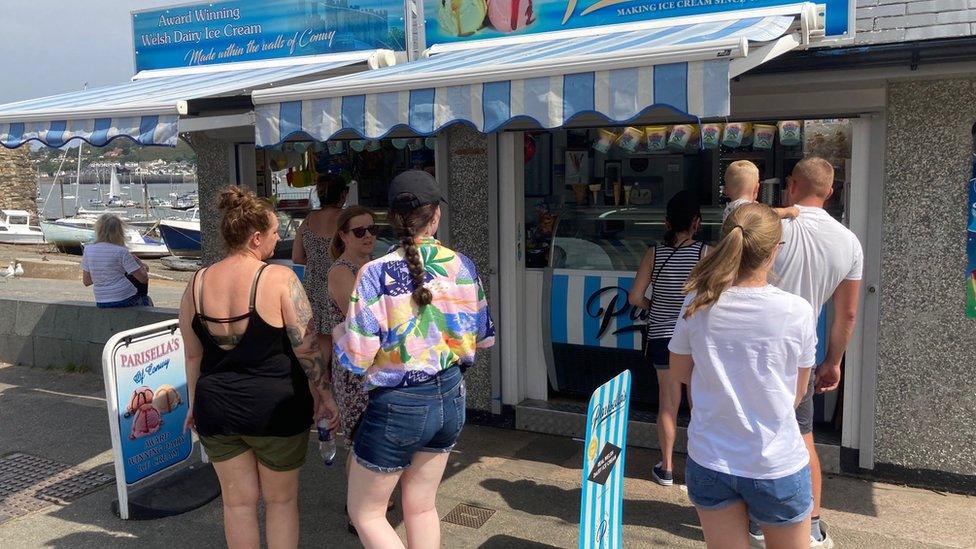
column 681, row 135
column 604, row 140
column 764, row 135
column 630, row 139
column 734, row 134
column 656, row 137
column 711, row 135
column 789, row 132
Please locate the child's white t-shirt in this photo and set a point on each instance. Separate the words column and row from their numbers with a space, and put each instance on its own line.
column 731, row 206
column 747, row 349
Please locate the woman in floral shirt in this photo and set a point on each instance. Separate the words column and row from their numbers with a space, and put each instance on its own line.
column 415, row 319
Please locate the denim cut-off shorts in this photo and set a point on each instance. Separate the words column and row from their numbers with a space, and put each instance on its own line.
column 399, row 422
column 770, row 502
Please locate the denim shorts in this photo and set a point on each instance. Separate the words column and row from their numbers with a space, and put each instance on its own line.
column 658, row 353
column 400, row 422
column 771, row 502
column 134, row 301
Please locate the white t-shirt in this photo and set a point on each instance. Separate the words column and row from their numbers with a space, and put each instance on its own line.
column 108, row 264
column 747, row 349
column 817, row 255
column 731, row 206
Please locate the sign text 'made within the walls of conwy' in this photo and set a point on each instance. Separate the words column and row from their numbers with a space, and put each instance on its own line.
column 248, row 30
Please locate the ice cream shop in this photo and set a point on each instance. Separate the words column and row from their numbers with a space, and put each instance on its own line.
column 579, row 123
column 563, row 129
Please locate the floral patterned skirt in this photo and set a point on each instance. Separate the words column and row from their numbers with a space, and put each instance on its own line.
column 352, row 397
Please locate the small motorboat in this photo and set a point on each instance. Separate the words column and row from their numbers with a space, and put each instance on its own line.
column 15, row 228
column 71, row 234
column 182, row 236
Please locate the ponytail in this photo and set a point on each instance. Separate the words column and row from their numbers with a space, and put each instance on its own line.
column 716, row 272
column 750, row 236
column 408, row 227
column 421, row 295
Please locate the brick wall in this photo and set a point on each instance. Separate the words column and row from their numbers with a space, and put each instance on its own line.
column 886, row 21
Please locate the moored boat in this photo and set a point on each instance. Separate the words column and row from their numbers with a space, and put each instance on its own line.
column 15, row 228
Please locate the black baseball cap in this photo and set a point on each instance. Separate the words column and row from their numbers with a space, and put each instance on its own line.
column 413, row 189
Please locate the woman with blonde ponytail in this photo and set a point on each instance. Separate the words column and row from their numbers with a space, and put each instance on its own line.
column 746, row 349
column 416, row 317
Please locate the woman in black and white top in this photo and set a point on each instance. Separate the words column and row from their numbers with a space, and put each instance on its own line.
column 659, row 290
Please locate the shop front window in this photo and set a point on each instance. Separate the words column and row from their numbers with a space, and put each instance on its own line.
column 595, row 198
column 595, row 201
column 367, row 166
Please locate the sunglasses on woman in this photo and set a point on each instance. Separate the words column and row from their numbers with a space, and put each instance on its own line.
column 360, row 232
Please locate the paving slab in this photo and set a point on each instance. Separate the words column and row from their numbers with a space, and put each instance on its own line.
column 531, row 481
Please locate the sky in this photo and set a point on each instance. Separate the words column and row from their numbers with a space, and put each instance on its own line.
column 56, row 46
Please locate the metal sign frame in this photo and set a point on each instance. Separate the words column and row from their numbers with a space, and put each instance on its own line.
column 171, row 328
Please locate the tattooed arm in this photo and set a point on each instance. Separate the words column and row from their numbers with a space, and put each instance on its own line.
column 296, row 312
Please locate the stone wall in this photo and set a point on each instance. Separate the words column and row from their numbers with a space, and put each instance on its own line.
column 926, row 386
column 468, row 168
column 213, row 174
column 18, row 181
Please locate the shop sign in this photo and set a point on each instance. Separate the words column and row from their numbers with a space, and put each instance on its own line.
column 601, row 504
column 460, row 20
column 592, row 310
column 249, row 30
column 971, row 240
column 146, row 395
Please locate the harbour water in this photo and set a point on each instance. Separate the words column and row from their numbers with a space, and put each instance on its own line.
column 49, row 204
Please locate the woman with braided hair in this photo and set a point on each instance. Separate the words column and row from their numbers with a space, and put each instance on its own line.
column 415, row 318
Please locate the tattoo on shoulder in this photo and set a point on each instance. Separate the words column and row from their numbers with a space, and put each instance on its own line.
column 300, row 301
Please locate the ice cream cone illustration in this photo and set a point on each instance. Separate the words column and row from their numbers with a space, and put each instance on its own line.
column 617, row 187
column 510, row 15
column 627, row 189
column 461, row 17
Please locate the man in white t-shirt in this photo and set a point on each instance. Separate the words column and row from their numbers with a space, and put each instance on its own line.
column 820, row 259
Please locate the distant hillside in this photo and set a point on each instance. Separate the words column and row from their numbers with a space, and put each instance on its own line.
column 120, row 150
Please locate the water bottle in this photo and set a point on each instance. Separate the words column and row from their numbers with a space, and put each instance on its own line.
column 327, row 443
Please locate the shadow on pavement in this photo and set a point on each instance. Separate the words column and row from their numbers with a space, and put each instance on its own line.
column 508, row 542
column 546, row 500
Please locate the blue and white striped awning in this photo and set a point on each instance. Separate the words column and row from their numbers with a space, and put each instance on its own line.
column 548, row 79
column 145, row 109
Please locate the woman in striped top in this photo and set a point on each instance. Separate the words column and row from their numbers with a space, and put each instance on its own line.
column 659, row 290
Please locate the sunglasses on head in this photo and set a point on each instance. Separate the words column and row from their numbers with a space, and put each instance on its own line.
column 360, row 232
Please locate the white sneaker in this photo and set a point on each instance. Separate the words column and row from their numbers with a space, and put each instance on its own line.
column 826, row 543
column 757, row 541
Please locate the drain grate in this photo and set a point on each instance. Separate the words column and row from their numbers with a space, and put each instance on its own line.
column 29, row 483
column 469, row 516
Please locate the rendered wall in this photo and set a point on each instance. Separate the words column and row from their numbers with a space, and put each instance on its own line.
column 926, row 393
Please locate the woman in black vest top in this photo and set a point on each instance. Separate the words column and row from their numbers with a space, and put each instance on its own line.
column 254, row 372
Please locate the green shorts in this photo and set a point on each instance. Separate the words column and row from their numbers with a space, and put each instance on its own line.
column 275, row 453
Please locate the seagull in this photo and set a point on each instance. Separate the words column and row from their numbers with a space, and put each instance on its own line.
column 9, row 272
column 19, row 269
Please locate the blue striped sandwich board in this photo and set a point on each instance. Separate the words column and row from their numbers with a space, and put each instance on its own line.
column 602, row 500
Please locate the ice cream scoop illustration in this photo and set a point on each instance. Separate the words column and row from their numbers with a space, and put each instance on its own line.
column 461, row 17
column 148, row 420
column 140, row 397
column 510, row 15
column 167, row 399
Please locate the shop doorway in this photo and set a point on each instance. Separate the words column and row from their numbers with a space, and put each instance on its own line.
column 587, row 204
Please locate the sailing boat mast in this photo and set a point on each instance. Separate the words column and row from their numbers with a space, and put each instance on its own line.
column 77, row 179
